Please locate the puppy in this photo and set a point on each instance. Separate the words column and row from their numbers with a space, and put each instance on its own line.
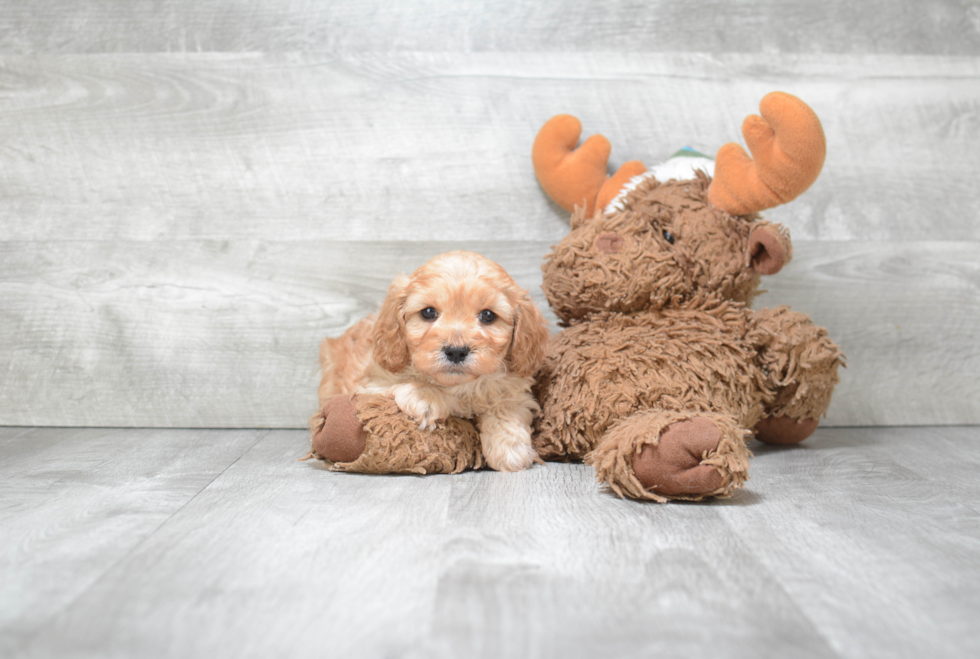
column 457, row 337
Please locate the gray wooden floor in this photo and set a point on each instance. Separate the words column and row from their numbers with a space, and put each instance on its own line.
column 217, row 543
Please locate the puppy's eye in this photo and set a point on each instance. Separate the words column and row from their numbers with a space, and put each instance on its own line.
column 429, row 313
column 668, row 236
column 487, row 316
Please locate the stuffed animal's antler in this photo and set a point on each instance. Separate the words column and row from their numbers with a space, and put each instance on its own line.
column 577, row 177
column 788, row 149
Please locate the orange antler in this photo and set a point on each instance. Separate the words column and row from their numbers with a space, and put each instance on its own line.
column 788, row 150
column 576, row 177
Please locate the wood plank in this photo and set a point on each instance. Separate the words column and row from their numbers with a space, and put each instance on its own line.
column 189, row 334
column 405, row 565
column 859, row 543
column 835, row 26
column 434, row 146
column 280, row 559
column 225, row 334
column 551, row 565
column 906, row 316
column 76, row 502
column 876, row 533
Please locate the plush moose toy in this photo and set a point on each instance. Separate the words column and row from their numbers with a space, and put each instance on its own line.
column 662, row 371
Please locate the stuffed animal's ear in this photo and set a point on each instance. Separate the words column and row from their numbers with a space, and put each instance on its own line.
column 530, row 341
column 390, row 347
column 769, row 248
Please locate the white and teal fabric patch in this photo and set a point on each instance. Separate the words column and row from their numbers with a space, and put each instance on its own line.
column 679, row 167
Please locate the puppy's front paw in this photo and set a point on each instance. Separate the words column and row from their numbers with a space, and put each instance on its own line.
column 506, row 443
column 517, row 457
column 423, row 415
column 426, row 420
column 412, row 401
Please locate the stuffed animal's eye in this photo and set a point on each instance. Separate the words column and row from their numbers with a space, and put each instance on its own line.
column 668, row 236
column 429, row 313
column 487, row 316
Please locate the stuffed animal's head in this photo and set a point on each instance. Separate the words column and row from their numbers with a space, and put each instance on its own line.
column 647, row 240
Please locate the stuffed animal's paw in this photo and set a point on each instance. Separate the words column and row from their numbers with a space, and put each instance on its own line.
column 784, row 429
column 659, row 455
column 336, row 434
column 673, row 466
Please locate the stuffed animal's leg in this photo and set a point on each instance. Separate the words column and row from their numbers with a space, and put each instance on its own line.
column 800, row 364
column 368, row 433
column 661, row 455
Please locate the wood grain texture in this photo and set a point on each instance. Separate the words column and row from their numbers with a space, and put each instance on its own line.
column 194, row 193
column 189, row 334
column 225, row 334
column 435, row 146
column 77, row 502
column 906, row 316
column 859, row 543
column 876, row 499
column 785, row 26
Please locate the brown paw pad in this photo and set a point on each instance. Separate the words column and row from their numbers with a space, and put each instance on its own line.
column 336, row 433
column 673, row 467
column 784, row 429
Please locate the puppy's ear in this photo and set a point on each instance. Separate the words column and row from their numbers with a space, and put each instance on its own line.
column 530, row 340
column 390, row 347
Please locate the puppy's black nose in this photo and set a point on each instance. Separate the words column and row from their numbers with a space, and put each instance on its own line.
column 456, row 354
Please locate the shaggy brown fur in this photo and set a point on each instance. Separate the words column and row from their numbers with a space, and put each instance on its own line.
column 654, row 298
column 728, row 458
column 690, row 359
column 710, row 253
column 394, row 443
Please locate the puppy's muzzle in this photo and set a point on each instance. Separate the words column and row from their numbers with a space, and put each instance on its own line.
column 456, row 354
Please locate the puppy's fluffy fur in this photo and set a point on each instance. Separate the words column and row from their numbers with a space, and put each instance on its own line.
column 457, row 337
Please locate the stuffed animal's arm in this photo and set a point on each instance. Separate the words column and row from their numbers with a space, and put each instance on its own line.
column 798, row 359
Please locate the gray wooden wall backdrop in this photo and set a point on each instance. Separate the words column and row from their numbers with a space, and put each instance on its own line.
column 194, row 192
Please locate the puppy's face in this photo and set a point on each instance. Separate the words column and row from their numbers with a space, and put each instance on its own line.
column 456, row 318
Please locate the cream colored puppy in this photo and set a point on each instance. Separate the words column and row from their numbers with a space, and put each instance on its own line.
column 457, row 337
